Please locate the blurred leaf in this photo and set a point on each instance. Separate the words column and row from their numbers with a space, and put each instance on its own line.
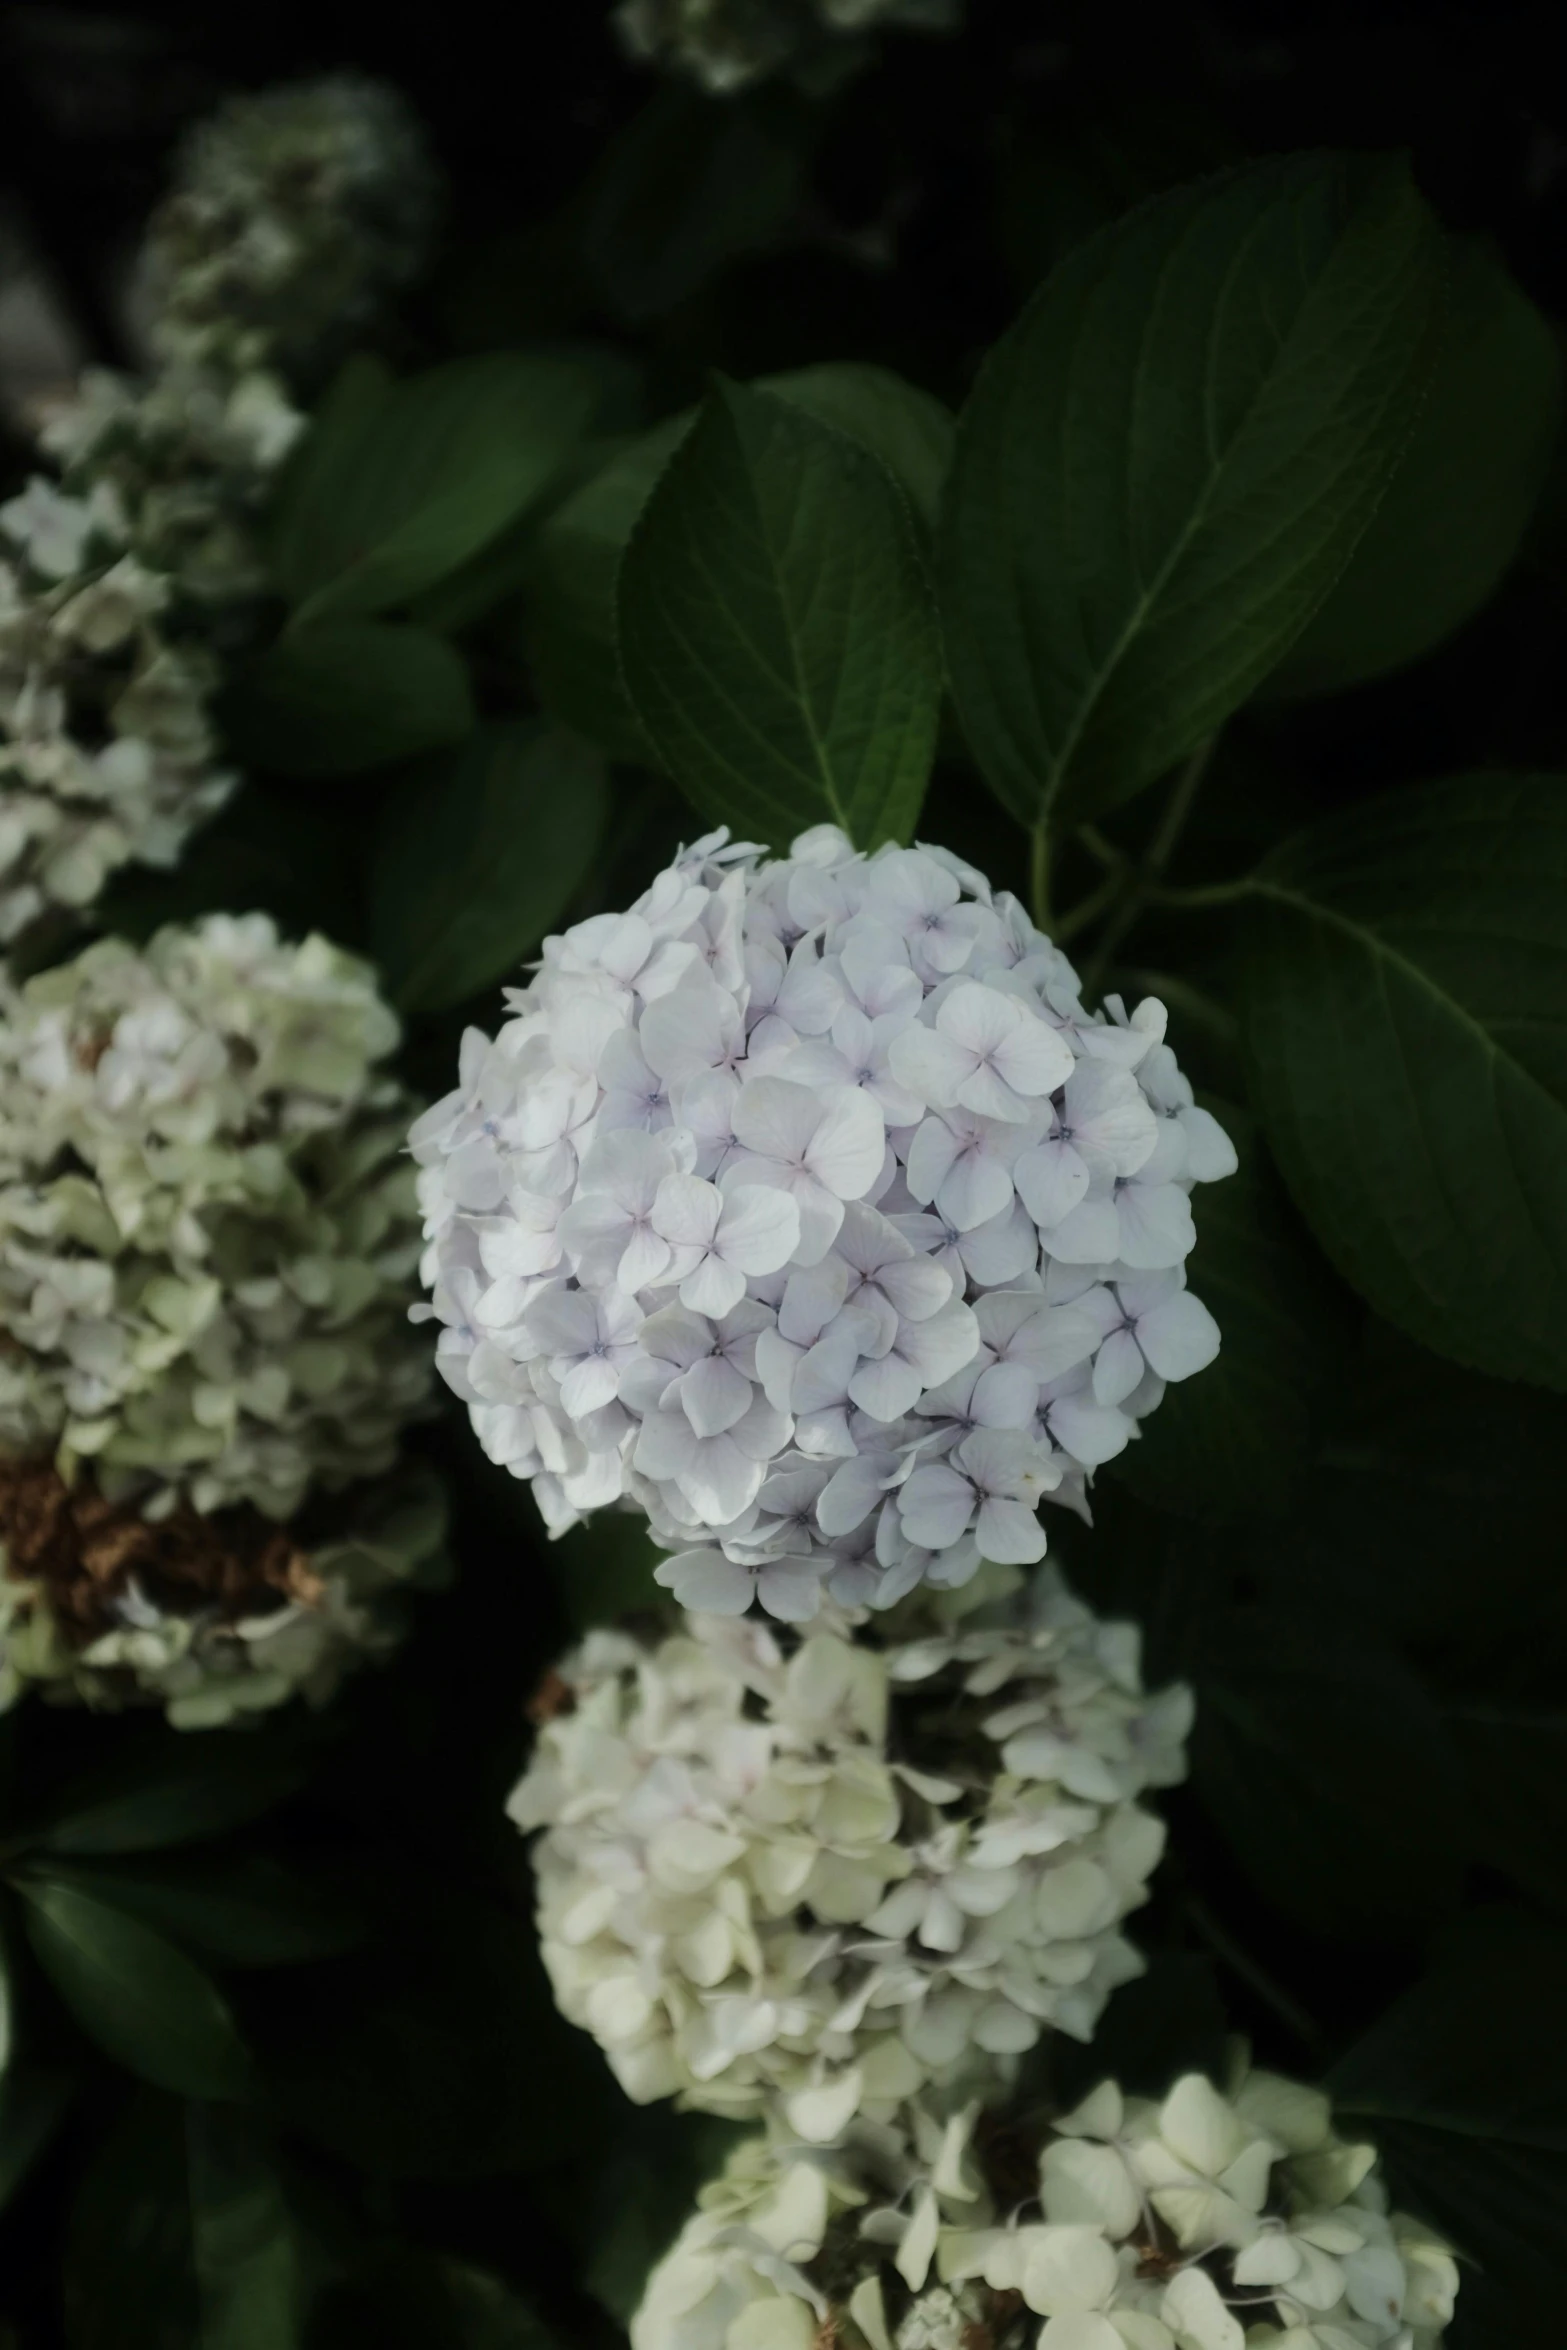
column 1463, row 2085
column 427, row 474
column 1517, row 1761
column 1170, row 2021
column 416, row 2300
column 776, row 632
column 1062, row 177
column 143, row 2001
column 627, row 2205
column 240, row 1908
column 685, row 187
column 1331, row 1772
column 1404, row 1008
column 1166, row 461
column 476, row 858
column 344, row 697
column 271, row 852
column 176, row 1793
column 249, row 2275
column 604, row 1568
column 1460, row 501
column 1238, row 1439
column 128, row 2277
column 33, row 2102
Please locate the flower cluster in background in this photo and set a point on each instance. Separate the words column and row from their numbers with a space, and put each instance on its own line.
column 1202, row 2222
column 839, row 1877
column 806, row 1208
column 123, row 576
column 207, row 1242
column 725, row 45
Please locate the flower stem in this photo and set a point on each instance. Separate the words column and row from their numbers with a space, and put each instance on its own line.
column 1039, row 891
column 1160, row 848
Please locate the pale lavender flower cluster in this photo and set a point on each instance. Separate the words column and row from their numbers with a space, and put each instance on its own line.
column 806, row 1208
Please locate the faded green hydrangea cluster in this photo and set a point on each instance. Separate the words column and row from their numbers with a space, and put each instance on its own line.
column 295, row 213
column 124, row 576
column 207, row 1227
column 208, row 1666
column 1208, row 2220
column 727, row 44
column 836, row 1877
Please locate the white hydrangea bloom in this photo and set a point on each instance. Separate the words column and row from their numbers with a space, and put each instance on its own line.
column 806, row 1208
column 837, row 1876
column 207, row 1229
column 1202, row 2222
column 294, row 214
column 725, row 45
column 215, row 1658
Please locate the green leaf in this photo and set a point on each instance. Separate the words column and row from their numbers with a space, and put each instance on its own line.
column 1463, row 2085
column 1516, row 1755
column 177, row 1792
column 1404, row 1007
column 776, row 632
column 242, row 1909
column 1166, row 462
column 145, row 2003
column 271, row 851
column 345, row 697
column 1239, row 1438
column 420, row 477
column 569, row 627
column 1331, row 1772
column 604, row 1569
column 476, row 857
column 249, row 2276
column 1458, row 505
column 909, row 430
column 33, row 2102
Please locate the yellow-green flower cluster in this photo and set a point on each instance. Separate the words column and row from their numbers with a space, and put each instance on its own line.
column 207, row 1227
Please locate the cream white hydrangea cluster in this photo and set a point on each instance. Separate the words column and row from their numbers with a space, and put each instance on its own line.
column 725, row 45
column 295, row 213
column 806, row 1208
column 834, row 1878
column 124, row 577
column 1205, row 2221
column 207, row 1228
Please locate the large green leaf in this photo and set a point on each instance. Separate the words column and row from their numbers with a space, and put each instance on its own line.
column 1331, row 1772
column 1516, row 1754
column 143, row 2001
column 1167, row 461
column 408, row 483
column 33, row 2103
column 1404, row 1003
column 128, row 2278
column 1238, row 1439
column 344, row 697
column 477, row 856
column 576, row 554
column 1463, row 2085
column 1457, row 507
column 776, row 631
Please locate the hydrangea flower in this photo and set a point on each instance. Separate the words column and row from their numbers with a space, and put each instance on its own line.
column 294, row 214
column 1204, row 2221
column 207, row 1229
column 837, row 1876
column 124, row 580
column 815, row 1177
column 728, row 44
column 214, row 1619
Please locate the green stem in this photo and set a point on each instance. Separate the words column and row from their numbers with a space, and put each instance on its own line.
column 1213, row 893
column 1166, row 833
column 1040, row 882
column 1087, row 909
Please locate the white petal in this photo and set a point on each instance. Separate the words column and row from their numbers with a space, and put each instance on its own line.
column 760, row 1228
column 714, row 1395
column 1178, row 1337
column 1051, row 1180
column 846, row 1151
